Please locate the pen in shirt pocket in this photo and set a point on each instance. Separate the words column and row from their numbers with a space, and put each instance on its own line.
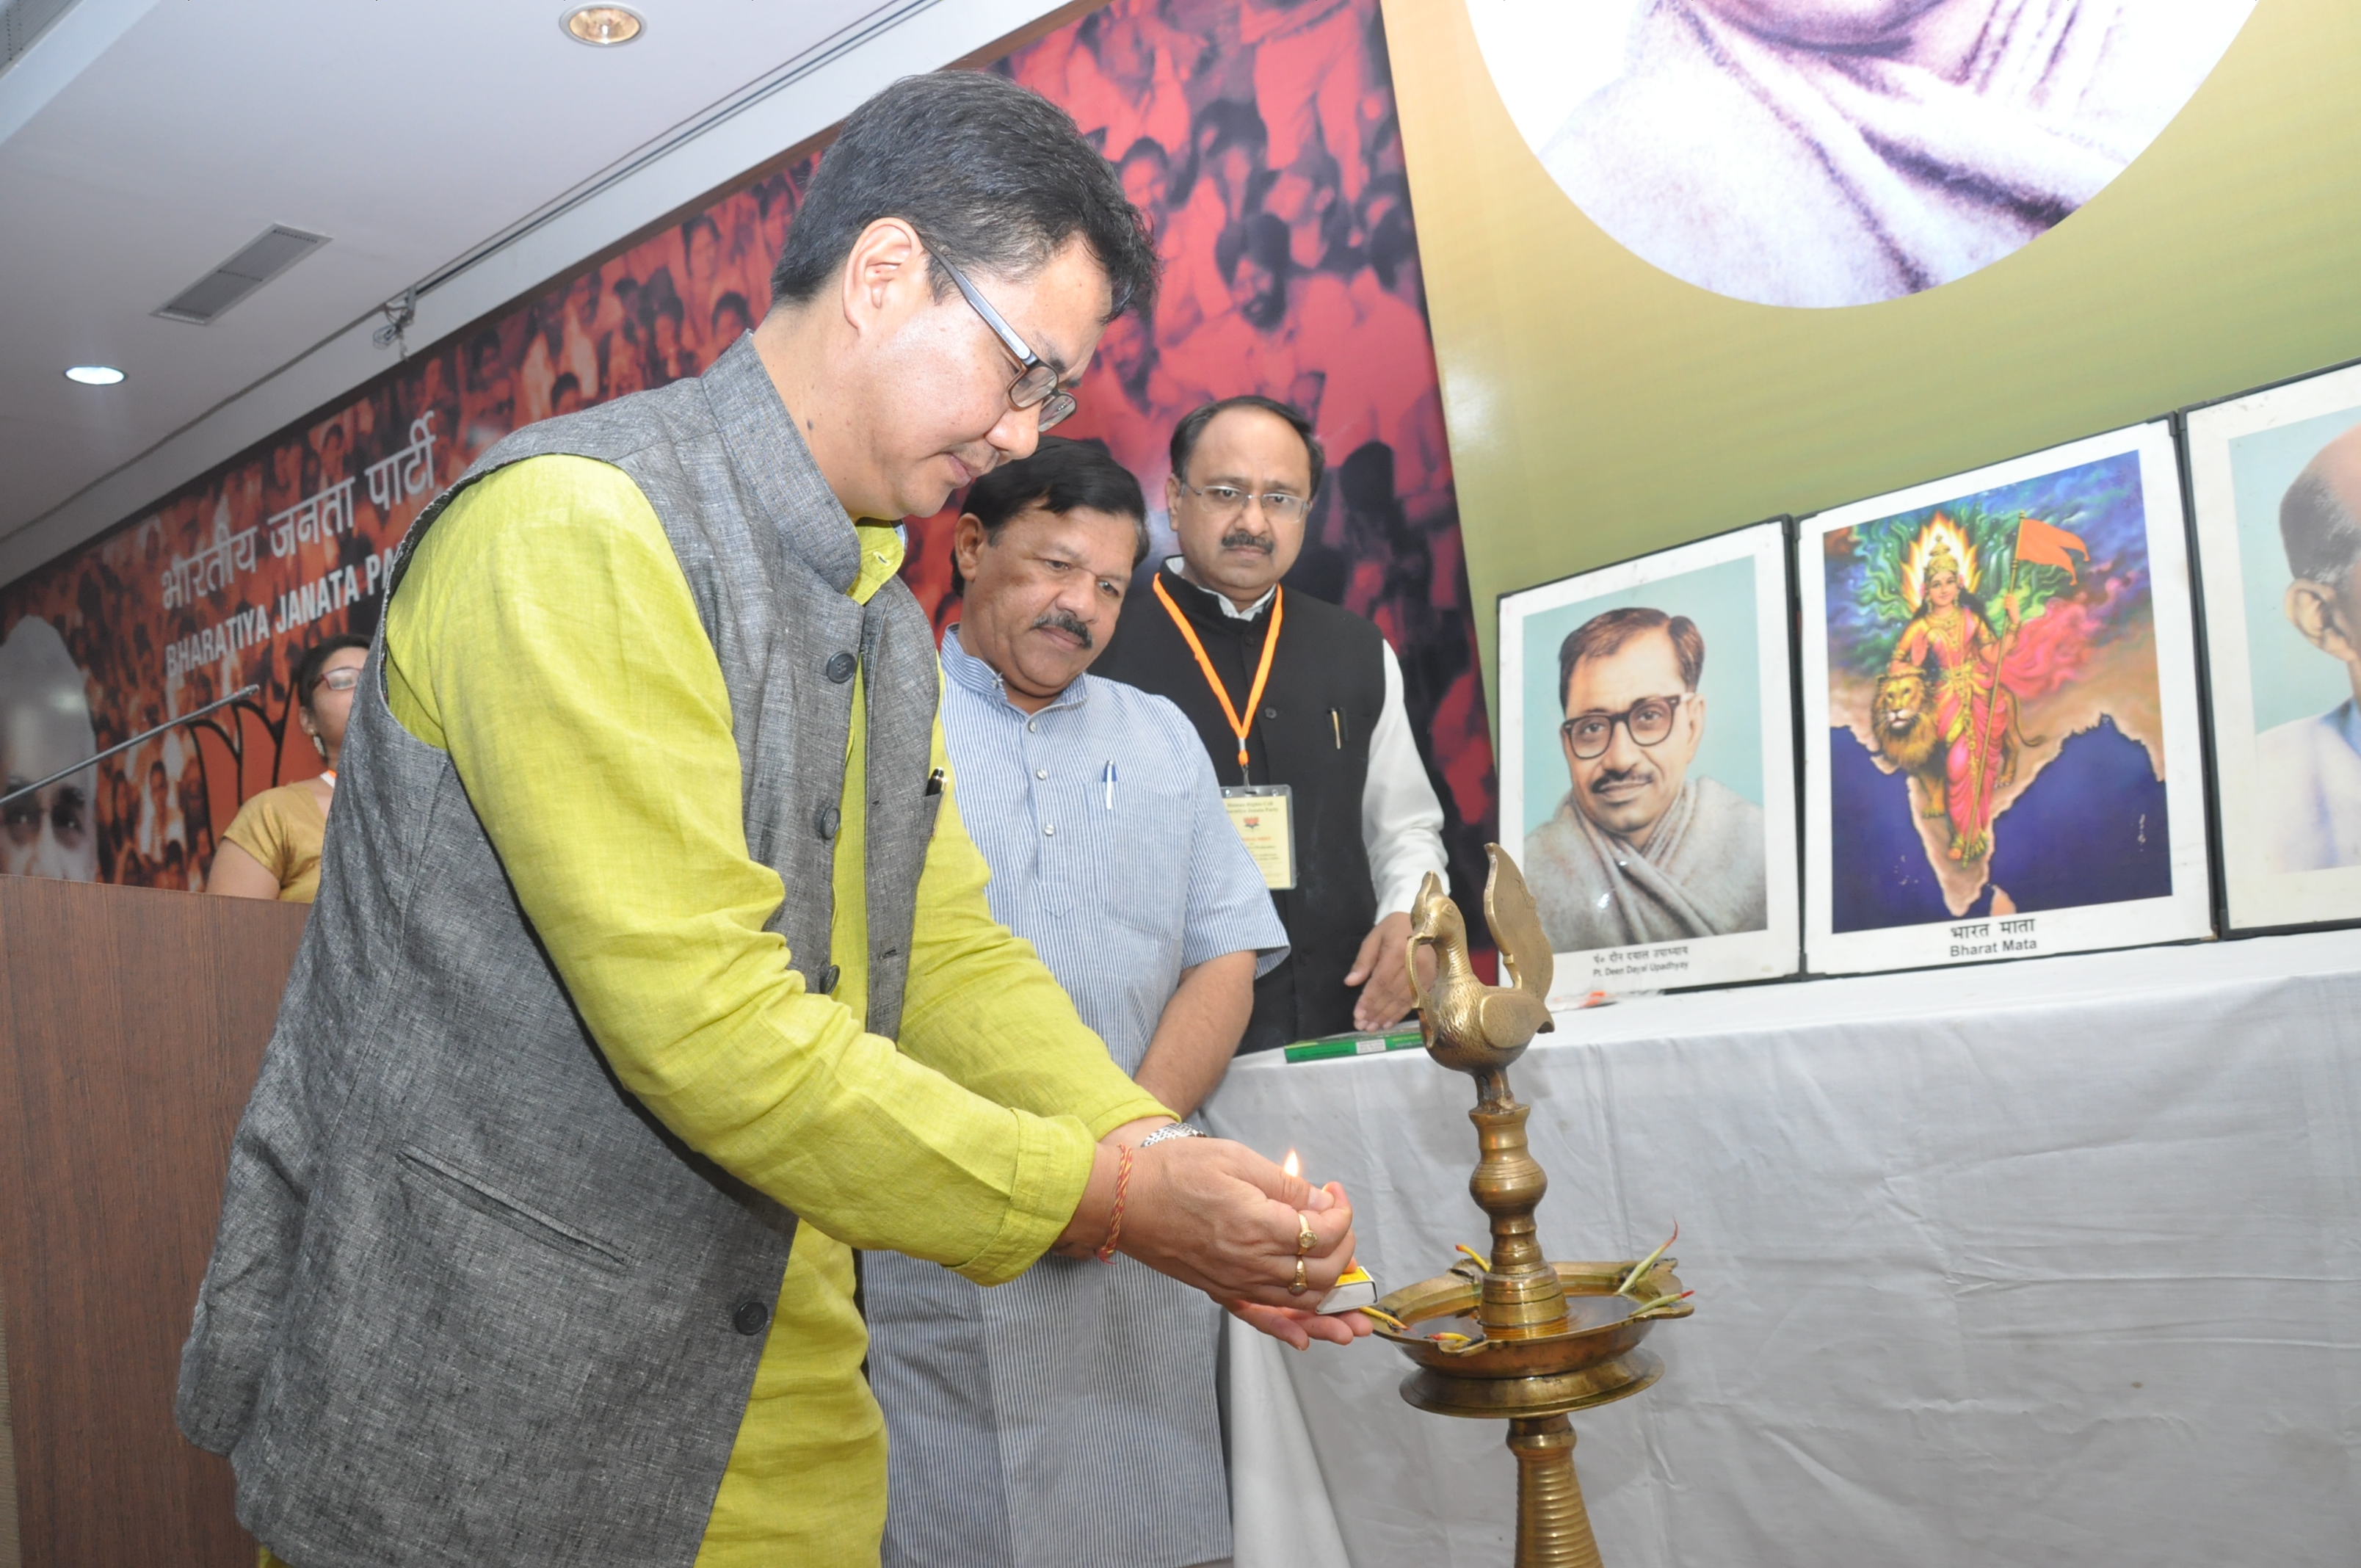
column 1107, row 778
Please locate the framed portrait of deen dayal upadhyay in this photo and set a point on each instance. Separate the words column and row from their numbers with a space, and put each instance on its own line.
column 1648, row 769
column 2002, row 757
column 2275, row 478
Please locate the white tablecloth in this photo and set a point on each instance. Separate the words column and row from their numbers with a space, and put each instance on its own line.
column 2045, row 1262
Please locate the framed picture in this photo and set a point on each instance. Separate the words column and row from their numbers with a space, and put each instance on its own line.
column 2001, row 747
column 2275, row 481
column 1648, row 766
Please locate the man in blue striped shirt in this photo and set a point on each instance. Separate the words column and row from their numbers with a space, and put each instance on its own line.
column 1068, row 1417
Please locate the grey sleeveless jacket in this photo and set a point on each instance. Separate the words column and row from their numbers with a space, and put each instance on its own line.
column 469, row 1302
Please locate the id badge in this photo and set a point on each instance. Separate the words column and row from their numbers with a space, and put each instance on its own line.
column 1264, row 817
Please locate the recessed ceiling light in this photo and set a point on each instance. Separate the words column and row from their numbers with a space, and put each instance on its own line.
column 602, row 25
column 93, row 375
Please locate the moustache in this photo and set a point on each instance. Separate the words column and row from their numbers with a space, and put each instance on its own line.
column 1065, row 621
column 1638, row 772
column 1242, row 539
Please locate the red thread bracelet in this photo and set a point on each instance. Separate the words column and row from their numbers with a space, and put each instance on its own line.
column 1121, row 1187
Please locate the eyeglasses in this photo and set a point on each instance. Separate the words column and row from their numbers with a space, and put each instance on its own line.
column 1037, row 379
column 342, row 680
column 1650, row 721
column 1228, row 501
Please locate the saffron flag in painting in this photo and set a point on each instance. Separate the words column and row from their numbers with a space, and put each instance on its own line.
column 2038, row 545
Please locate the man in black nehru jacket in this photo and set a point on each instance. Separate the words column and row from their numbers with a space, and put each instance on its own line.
column 1299, row 704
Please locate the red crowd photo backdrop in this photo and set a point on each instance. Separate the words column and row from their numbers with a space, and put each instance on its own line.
column 1260, row 137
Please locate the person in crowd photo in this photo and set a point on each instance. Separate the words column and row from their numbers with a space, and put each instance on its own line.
column 651, row 971
column 272, row 848
column 1013, row 1413
column 731, row 319
column 1286, row 690
column 160, row 826
column 663, row 331
column 1225, row 177
column 701, row 284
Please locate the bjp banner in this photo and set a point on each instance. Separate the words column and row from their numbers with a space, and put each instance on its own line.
column 1260, row 138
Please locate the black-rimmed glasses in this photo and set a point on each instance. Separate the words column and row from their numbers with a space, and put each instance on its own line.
column 1037, row 379
column 1650, row 721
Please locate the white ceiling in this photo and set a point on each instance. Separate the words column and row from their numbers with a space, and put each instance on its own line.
column 141, row 144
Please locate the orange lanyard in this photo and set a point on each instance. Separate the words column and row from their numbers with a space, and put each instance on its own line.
column 1238, row 727
column 329, row 774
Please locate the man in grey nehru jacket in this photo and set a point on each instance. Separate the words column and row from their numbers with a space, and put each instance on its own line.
column 651, row 972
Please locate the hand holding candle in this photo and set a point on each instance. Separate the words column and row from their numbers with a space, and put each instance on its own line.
column 1219, row 1216
column 1298, row 1325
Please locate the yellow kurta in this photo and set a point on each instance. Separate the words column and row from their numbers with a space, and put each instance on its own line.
column 546, row 639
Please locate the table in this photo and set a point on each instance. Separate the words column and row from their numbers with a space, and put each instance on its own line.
column 2035, row 1262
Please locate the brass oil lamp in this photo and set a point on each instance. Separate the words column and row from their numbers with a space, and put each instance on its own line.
column 1540, row 1339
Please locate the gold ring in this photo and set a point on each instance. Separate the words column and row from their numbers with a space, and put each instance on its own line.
column 1297, row 1288
column 1304, row 1240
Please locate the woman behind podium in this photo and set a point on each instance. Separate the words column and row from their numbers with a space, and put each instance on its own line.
column 272, row 849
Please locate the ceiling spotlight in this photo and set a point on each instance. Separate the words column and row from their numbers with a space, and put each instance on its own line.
column 602, row 25
column 93, row 375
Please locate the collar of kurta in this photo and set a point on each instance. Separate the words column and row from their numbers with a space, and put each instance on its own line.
column 882, row 548
column 967, row 672
column 1207, row 604
column 768, row 454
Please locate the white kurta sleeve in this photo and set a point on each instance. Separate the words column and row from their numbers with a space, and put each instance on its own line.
column 1401, row 821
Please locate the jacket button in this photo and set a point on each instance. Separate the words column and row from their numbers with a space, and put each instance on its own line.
column 1270, row 713
column 841, row 668
column 825, row 982
column 826, row 821
column 750, row 1317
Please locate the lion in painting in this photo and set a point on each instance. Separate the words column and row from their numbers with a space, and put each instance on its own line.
column 1908, row 737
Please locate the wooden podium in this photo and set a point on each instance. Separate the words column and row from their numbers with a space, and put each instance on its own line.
column 132, row 1025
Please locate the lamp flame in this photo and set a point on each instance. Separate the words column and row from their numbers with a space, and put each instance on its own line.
column 1292, row 1166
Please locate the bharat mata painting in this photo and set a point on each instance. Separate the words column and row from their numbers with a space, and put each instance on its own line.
column 2275, row 480
column 1648, row 771
column 2002, row 755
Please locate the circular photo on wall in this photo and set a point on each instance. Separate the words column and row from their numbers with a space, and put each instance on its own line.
column 1839, row 152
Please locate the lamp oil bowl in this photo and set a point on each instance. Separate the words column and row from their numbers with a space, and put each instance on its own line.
column 1536, row 1339
column 1595, row 1359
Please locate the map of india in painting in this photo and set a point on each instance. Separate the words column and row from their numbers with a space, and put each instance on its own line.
column 1996, row 743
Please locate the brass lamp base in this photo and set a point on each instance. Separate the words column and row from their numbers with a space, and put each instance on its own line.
column 1534, row 1383
column 1552, row 1527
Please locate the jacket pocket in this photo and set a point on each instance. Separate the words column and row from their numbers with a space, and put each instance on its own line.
column 473, row 1192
